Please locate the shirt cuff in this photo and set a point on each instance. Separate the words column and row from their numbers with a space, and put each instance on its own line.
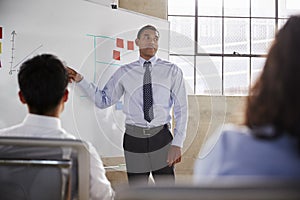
column 177, row 141
column 83, row 84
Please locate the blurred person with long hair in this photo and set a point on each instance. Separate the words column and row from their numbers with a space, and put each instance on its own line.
column 268, row 144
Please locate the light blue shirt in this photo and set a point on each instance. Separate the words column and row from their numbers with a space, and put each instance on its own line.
column 235, row 152
column 168, row 90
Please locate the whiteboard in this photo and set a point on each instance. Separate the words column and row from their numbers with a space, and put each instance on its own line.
column 84, row 35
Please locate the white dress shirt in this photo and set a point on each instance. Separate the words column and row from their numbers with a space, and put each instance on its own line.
column 234, row 151
column 50, row 127
column 168, row 90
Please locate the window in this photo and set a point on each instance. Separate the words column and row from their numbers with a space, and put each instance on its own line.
column 221, row 45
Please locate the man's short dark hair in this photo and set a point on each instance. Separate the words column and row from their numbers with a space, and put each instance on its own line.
column 147, row 27
column 43, row 80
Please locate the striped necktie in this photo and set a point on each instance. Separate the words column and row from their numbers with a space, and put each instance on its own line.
column 147, row 93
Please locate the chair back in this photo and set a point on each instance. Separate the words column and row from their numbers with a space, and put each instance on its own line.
column 42, row 168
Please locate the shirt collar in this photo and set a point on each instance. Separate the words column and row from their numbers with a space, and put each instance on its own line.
column 152, row 60
column 42, row 121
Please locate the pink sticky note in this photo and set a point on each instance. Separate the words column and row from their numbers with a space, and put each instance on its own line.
column 116, row 55
column 130, row 45
column 120, row 43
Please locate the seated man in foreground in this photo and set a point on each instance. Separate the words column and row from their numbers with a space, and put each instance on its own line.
column 43, row 84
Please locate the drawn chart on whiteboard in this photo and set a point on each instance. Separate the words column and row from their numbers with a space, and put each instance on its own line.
column 15, row 61
column 108, row 54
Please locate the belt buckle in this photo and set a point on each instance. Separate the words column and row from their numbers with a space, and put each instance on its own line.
column 145, row 131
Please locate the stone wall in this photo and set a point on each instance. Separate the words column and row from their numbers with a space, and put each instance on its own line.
column 155, row 8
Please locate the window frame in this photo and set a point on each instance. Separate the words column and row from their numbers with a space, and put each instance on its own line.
column 249, row 55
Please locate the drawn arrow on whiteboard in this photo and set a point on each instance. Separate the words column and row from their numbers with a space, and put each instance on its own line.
column 13, row 34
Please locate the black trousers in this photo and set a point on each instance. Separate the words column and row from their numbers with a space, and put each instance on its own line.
column 148, row 154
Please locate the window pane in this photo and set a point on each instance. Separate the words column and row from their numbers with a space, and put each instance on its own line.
column 287, row 8
column 208, row 75
column 238, row 8
column 262, row 35
column 257, row 65
column 209, row 35
column 281, row 23
column 236, row 76
column 179, row 7
column 186, row 64
column 182, row 35
column 236, row 36
column 259, row 9
column 210, row 8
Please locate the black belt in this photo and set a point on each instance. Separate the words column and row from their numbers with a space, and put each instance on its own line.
column 143, row 132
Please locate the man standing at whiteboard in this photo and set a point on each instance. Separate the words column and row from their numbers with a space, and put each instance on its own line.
column 151, row 87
